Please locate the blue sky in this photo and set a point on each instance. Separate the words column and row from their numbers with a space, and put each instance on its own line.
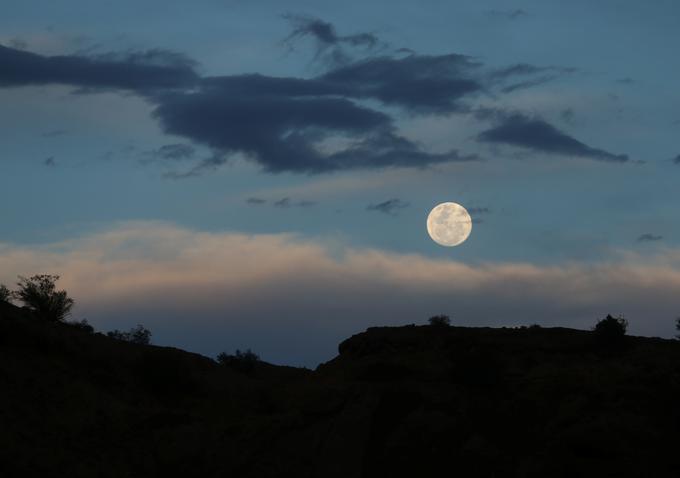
column 555, row 124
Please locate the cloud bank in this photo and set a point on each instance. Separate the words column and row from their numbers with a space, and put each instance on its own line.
column 209, row 292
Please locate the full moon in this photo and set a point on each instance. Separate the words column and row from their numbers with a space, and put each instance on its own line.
column 449, row 224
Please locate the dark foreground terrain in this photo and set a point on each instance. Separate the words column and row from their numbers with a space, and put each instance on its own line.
column 408, row 401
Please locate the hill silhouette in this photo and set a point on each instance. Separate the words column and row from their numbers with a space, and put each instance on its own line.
column 396, row 401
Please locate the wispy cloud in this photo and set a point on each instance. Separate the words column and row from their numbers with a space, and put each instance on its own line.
column 647, row 237
column 534, row 133
column 391, row 206
column 514, row 14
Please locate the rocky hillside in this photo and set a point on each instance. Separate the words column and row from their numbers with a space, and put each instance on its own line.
column 406, row 401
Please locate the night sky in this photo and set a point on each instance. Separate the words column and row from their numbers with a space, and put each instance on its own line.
column 257, row 174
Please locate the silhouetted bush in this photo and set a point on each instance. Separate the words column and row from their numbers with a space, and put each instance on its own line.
column 241, row 360
column 38, row 293
column 5, row 293
column 83, row 325
column 136, row 335
column 610, row 330
column 439, row 321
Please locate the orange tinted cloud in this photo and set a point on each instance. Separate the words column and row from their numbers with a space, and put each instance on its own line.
column 294, row 299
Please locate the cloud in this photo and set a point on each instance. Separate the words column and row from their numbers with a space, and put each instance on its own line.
column 214, row 291
column 281, row 131
column 139, row 71
column 287, row 124
column 625, row 81
column 647, row 237
column 538, row 135
column 329, row 45
column 284, row 202
column 54, row 133
column 507, row 14
column 391, row 206
column 422, row 84
column 532, row 76
column 173, row 152
column 288, row 202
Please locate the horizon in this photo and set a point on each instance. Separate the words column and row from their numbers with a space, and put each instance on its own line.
column 240, row 176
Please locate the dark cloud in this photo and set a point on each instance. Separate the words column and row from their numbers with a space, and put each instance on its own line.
column 507, row 14
column 279, row 130
column 522, row 85
column 325, row 33
column 329, row 45
column 140, row 71
column 174, row 152
column 475, row 212
column 282, row 123
column 288, row 202
column 676, row 160
column 50, row 162
column 391, row 206
column 536, row 134
column 417, row 83
column 531, row 76
column 283, row 202
column 647, row 237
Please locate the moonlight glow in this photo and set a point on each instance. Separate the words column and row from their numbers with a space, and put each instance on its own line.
column 449, row 224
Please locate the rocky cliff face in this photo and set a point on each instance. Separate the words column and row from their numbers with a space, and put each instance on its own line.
column 407, row 401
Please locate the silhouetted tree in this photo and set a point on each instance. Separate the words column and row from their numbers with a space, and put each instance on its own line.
column 439, row 321
column 5, row 293
column 83, row 325
column 241, row 360
column 39, row 294
column 610, row 329
column 677, row 327
column 140, row 335
column 136, row 335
